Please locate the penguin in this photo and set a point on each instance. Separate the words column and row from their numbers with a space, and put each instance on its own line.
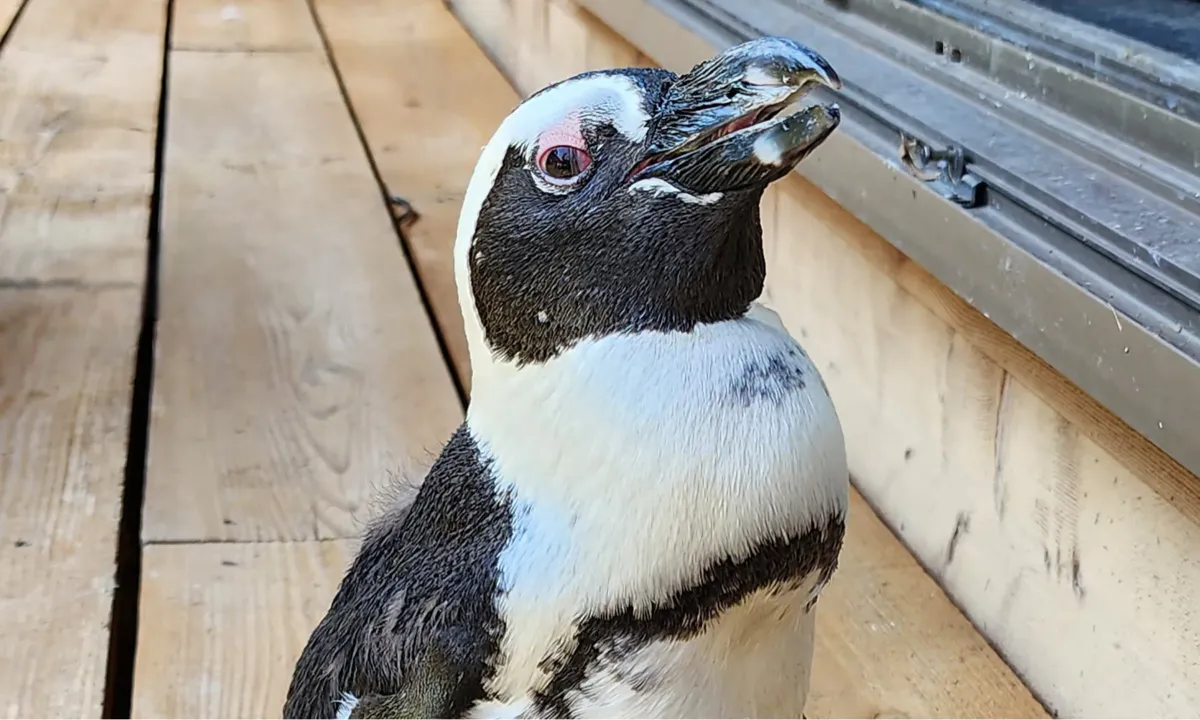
column 650, row 488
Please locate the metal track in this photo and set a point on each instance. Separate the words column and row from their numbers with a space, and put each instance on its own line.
column 1075, row 234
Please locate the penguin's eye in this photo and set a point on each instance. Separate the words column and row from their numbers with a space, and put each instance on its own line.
column 562, row 164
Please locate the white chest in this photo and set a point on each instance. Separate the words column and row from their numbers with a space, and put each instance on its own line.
column 637, row 461
column 756, row 661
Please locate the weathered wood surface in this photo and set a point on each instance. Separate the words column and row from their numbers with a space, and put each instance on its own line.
column 295, row 364
column 229, row 621
column 79, row 85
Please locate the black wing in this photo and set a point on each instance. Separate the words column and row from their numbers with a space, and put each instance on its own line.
column 424, row 581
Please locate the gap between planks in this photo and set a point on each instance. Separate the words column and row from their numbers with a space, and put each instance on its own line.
column 83, row 152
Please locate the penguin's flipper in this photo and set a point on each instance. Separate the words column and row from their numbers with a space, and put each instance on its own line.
column 413, row 622
column 428, row 690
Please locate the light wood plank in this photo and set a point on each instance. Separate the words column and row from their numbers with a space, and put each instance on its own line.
column 247, row 25
column 78, row 110
column 223, row 623
column 8, row 10
column 1067, row 537
column 65, row 373
column 79, row 83
column 428, row 100
column 296, row 366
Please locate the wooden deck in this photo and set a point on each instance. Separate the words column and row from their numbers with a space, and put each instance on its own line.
column 217, row 345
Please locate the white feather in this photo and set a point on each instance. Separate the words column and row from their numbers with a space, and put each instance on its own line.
column 346, row 706
column 659, row 187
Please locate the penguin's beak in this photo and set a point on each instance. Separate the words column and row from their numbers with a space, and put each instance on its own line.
column 719, row 128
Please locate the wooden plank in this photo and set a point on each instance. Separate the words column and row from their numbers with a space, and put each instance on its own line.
column 295, row 365
column 890, row 640
column 496, row 17
column 891, row 644
column 8, row 10
column 223, row 623
column 397, row 60
column 1067, row 537
column 64, row 413
column 79, row 83
column 245, row 25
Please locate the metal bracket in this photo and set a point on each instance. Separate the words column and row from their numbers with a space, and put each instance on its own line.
column 945, row 169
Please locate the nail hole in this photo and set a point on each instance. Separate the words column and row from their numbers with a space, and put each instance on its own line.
column 955, row 55
column 939, row 47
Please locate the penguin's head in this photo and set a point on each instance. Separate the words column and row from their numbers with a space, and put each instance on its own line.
column 628, row 200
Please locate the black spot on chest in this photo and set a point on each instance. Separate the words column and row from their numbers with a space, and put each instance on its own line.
column 425, row 577
column 768, row 379
column 780, row 563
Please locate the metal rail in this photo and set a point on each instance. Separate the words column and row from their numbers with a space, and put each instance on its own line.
column 1074, row 229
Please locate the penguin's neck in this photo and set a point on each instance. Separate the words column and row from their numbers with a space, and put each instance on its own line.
column 637, row 460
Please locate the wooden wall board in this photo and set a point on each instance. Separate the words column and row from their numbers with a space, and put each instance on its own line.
column 1028, row 501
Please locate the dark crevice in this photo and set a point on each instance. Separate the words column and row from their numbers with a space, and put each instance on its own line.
column 123, row 628
column 386, row 197
column 25, row 283
column 12, row 25
column 257, row 542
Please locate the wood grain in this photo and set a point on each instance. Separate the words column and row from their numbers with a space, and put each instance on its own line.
column 1069, row 541
column 296, row 368
column 8, row 10
column 428, row 100
column 223, row 623
column 79, row 82
column 78, row 110
column 65, row 375
column 249, row 25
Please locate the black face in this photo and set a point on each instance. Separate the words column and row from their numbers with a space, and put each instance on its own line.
column 633, row 236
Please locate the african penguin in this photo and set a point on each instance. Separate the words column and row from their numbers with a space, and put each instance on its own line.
column 650, row 488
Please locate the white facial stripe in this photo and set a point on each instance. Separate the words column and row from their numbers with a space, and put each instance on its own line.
column 599, row 98
column 659, row 187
